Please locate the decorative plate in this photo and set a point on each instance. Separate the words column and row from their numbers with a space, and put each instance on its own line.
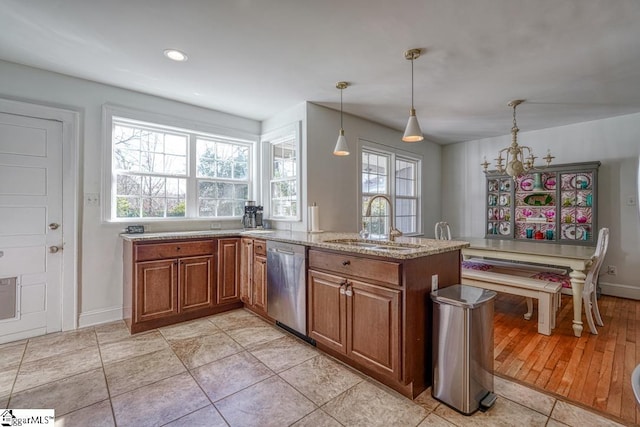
column 572, row 232
column 580, row 181
column 504, row 200
column 505, row 228
column 550, row 183
column 538, row 199
column 493, row 200
column 493, row 185
column 505, row 185
column 526, row 184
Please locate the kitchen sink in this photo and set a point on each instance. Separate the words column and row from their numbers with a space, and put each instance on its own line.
column 380, row 245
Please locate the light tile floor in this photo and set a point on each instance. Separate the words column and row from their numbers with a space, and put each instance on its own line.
column 231, row 369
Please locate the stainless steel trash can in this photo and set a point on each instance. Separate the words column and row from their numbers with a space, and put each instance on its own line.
column 463, row 347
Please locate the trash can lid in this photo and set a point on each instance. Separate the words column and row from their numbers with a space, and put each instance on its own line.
column 462, row 296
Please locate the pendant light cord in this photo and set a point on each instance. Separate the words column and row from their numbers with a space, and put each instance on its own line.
column 412, row 82
column 341, row 108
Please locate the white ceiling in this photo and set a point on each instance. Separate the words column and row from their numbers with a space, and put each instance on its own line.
column 572, row 60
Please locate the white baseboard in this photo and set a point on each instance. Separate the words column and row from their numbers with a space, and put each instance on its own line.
column 619, row 290
column 614, row 290
column 97, row 317
column 23, row 335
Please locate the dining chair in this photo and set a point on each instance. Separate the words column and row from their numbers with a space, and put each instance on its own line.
column 589, row 292
column 443, row 231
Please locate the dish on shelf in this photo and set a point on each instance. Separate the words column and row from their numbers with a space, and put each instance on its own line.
column 550, row 183
column 505, row 185
column 504, row 200
column 580, row 181
column 501, row 214
column 526, row 184
column 527, row 212
column 571, row 232
column 493, row 200
column 538, row 199
column 505, row 228
column 493, row 185
column 550, row 214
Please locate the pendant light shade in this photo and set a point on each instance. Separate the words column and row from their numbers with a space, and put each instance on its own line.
column 341, row 149
column 412, row 133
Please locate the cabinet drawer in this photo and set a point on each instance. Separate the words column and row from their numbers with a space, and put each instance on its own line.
column 371, row 269
column 260, row 247
column 151, row 251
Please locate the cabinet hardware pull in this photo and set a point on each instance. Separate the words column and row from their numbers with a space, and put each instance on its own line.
column 346, row 262
column 178, row 248
column 349, row 291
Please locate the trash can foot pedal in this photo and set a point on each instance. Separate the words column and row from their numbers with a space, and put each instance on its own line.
column 488, row 401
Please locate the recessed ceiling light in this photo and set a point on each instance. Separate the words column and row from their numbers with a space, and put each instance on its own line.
column 175, row 55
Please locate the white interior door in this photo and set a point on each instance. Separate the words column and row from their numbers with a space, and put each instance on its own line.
column 31, row 224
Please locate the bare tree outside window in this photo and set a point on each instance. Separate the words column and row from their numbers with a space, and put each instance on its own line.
column 163, row 172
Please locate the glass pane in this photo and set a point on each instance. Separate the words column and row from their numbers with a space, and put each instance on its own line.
column 206, row 169
column 176, row 207
column 207, row 208
column 153, row 207
column 241, row 170
column 128, row 185
column 127, row 207
column 207, row 189
column 225, row 208
column 241, row 191
column 176, row 187
column 176, row 145
column 223, row 169
column 176, row 165
column 153, row 186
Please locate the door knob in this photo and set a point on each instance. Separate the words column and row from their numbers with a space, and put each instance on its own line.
column 55, row 249
column 53, row 226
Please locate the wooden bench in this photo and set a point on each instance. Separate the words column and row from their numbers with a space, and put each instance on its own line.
column 514, row 280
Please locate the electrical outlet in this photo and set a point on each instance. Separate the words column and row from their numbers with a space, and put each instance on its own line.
column 612, row 270
column 216, row 226
column 434, row 282
column 92, row 199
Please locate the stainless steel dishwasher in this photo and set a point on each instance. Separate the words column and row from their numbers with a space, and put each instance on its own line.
column 286, row 286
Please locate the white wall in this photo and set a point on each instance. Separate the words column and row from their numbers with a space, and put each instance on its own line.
column 100, row 248
column 333, row 180
column 615, row 142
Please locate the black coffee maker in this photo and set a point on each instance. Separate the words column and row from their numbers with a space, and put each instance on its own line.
column 252, row 215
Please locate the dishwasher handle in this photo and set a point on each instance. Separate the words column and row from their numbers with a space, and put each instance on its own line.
column 283, row 251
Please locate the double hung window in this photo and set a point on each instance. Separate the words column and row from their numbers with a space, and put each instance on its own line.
column 162, row 172
column 396, row 176
column 283, row 157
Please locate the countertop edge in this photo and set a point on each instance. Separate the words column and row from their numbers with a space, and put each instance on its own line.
column 427, row 247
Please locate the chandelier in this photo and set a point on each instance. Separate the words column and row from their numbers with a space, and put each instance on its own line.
column 519, row 158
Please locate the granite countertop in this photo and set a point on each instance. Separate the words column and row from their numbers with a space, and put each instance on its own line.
column 419, row 247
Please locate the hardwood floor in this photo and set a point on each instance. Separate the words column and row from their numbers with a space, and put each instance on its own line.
column 593, row 370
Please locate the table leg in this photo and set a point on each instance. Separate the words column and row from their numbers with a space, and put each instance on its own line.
column 577, row 284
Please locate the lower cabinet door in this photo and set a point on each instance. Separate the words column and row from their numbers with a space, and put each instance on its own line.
column 197, row 286
column 156, row 290
column 228, row 270
column 374, row 327
column 259, row 288
column 327, row 310
column 246, row 270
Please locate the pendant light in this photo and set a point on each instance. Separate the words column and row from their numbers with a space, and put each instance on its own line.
column 412, row 133
column 341, row 145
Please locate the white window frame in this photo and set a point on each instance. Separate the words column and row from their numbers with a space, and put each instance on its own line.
column 266, row 140
column 194, row 130
column 393, row 154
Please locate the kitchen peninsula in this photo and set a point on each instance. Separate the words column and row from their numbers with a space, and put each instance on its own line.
column 367, row 301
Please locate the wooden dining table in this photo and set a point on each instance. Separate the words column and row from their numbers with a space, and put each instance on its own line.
column 576, row 258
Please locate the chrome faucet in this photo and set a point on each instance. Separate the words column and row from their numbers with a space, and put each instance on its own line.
column 393, row 231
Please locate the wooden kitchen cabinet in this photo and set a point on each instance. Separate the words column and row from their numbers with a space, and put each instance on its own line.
column 253, row 275
column 375, row 313
column 228, row 270
column 343, row 312
column 167, row 282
